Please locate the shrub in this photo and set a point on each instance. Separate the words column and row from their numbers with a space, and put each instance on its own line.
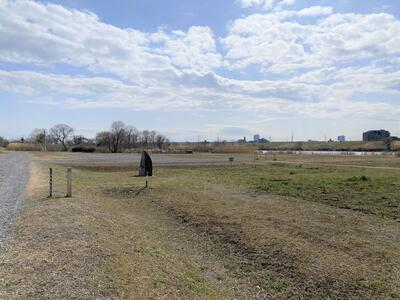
column 83, row 149
column 3, row 142
column 358, row 178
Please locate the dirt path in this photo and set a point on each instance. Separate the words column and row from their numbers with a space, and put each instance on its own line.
column 13, row 177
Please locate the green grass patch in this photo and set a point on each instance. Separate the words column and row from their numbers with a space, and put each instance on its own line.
column 274, row 285
column 195, row 283
column 395, row 296
column 161, row 279
column 238, row 271
column 371, row 191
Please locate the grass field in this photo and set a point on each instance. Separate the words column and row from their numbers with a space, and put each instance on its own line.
column 290, row 146
column 280, row 227
column 332, row 146
column 371, row 191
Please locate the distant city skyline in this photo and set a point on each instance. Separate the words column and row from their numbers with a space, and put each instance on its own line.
column 201, row 69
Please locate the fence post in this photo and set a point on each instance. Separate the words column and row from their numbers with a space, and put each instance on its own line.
column 69, row 182
column 51, row 183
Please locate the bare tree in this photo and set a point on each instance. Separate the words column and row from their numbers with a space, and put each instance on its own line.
column 152, row 137
column 103, row 139
column 131, row 137
column 122, row 137
column 61, row 134
column 145, row 138
column 38, row 136
column 80, row 140
column 160, row 141
column 117, row 136
column 3, row 142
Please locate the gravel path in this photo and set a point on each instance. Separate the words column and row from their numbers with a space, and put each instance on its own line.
column 13, row 177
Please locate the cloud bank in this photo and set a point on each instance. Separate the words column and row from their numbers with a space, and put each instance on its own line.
column 307, row 62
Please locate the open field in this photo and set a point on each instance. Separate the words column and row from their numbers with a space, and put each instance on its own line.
column 333, row 146
column 282, row 226
column 290, row 146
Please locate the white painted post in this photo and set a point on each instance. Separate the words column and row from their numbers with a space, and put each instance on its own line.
column 69, row 182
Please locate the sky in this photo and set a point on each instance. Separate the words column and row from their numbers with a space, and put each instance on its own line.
column 206, row 69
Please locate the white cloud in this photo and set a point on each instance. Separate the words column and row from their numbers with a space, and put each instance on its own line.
column 208, row 93
column 312, row 62
column 315, row 11
column 192, row 50
column 81, row 39
column 265, row 4
column 279, row 43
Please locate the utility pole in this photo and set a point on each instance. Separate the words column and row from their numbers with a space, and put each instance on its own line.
column 45, row 141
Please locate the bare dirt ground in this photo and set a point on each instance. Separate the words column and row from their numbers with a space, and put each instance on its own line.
column 133, row 159
column 190, row 237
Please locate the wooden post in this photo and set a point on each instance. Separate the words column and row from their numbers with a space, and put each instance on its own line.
column 51, row 183
column 231, row 160
column 69, row 182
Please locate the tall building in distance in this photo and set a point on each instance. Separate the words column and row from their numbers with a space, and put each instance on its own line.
column 256, row 138
column 341, row 138
column 376, row 135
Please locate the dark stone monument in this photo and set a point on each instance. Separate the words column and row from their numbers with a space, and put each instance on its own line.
column 146, row 165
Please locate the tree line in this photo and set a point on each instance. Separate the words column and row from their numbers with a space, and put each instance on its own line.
column 118, row 138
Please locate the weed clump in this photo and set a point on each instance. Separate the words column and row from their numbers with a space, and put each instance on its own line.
column 358, row 178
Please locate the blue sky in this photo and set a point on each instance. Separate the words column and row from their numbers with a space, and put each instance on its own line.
column 201, row 69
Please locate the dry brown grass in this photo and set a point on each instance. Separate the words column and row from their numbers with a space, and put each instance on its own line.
column 396, row 145
column 216, row 148
column 23, row 147
column 189, row 237
column 97, row 245
column 52, row 253
column 312, row 250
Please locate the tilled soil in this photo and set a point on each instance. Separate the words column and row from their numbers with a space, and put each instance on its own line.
column 13, row 177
